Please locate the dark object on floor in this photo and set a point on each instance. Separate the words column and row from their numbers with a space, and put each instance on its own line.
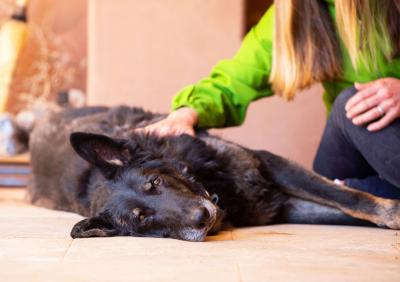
column 13, row 140
column 180, row 187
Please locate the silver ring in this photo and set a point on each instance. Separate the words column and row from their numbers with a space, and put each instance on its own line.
column 380, row 110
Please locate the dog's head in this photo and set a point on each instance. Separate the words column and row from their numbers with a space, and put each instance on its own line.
column 144, row 193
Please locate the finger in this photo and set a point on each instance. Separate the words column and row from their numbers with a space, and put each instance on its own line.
column 362, row 85
column 184, row 130
column 382, row 96
column 150, row 129
column 367, row 117
column 176, row 131
column 165, row 131
column 362, row 95
column 365, row 105
column 388, row 118
column 190, row 131
column 141, row 130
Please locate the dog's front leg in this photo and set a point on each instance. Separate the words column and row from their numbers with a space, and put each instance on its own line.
column 299, row 182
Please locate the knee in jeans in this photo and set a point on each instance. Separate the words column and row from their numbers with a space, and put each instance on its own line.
column 338, row 109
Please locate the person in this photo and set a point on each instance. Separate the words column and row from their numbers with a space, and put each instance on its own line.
column 352, row 47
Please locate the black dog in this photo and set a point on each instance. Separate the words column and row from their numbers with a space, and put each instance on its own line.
column 179, row 187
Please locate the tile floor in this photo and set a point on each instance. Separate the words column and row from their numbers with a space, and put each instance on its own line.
column 35, row 246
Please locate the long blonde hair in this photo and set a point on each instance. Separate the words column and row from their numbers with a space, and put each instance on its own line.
column 306, row 47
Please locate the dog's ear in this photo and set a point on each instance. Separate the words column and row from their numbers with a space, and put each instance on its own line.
column 106, row 153
column 98, row 226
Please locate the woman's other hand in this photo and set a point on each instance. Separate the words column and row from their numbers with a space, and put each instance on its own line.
column 181, row 121
column 377, row 103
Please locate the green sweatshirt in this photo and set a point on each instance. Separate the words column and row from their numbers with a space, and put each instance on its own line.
column 222, row 98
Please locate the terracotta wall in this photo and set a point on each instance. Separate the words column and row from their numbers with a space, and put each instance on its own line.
column 290, row 129
column 142, row 52
column 66, row 20
column 54, row 57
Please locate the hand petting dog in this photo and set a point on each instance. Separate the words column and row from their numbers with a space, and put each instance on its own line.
column 377, row 103
column 181, row 121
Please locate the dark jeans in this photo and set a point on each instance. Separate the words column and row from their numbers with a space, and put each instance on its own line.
column 368, row 161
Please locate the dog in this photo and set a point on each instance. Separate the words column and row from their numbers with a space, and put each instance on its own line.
column 93, row 162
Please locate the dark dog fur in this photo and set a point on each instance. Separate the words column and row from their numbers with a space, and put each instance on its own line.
column 182, row 187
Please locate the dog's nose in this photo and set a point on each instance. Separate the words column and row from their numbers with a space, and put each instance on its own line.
column 200, row 217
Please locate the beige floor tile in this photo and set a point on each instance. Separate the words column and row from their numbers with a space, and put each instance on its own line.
column 119, row 271
column 35, row 246
column 319, row 253
column 33, row 249
column 21, row 210
column 12, row 194
column 36, row 227
column 316, row 270
column 123, row 248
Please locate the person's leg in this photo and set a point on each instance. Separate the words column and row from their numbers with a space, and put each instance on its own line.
column 349, row 151
column 374, row 185
column 337, row 157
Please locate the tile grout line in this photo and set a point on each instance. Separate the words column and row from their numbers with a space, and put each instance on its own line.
column 66, row 251
column 238, row 272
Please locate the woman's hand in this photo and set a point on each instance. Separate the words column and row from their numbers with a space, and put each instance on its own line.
column 181, row 121
column 376, row 102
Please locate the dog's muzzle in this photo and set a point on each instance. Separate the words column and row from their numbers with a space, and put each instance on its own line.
column 202, row 220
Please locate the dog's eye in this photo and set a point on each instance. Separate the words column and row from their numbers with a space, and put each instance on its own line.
column 151, row 186
column 139, row 214
column 148, row 187
column 156, row 181
column 214, row 199
column 136, row 211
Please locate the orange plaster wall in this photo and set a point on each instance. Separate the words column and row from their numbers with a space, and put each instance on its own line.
column 290, row 129
column 143, row 52
column 54, row 56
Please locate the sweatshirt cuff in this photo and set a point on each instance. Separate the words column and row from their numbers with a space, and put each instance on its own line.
column 183, row 99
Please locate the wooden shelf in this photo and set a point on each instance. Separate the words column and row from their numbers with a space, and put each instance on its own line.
column 17, row 159
column 15, row 170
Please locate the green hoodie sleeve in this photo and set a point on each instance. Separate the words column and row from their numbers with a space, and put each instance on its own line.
column 222, row 98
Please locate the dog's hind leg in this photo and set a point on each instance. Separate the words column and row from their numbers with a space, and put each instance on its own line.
column 299, row 211
column 299, row 182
